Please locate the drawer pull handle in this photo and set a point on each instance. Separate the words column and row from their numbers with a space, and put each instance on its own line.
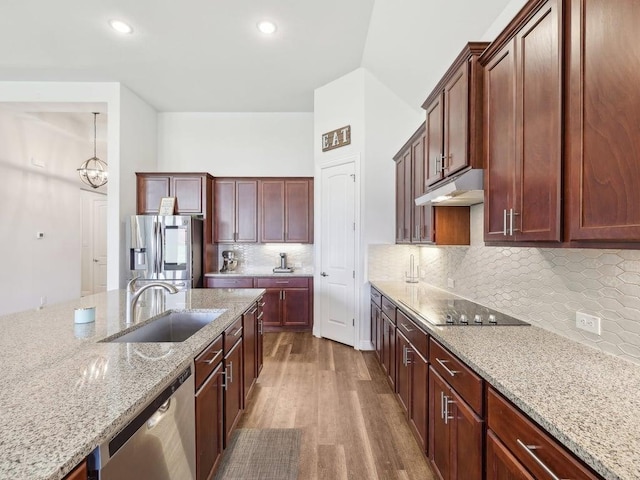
column 407, row 328
column 285, row 282
column 213, row 359
column 529, row 449
column 449, row 371
column 237, row 332
column 262, row 304
column 253, row 311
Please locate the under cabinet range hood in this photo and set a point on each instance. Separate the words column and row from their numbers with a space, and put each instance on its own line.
column 461, row 191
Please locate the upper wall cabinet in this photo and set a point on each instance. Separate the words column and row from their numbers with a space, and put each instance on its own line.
column 236, row 210
column 286, row 210
column 561, row 130
column 190, row 189
column 603, row 115
column 453, row 118
column 522, row 127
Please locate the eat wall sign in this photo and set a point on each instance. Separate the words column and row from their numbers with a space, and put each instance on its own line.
column 336, row 138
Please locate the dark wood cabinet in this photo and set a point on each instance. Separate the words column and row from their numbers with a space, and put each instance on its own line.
column 501, row 464
column 233, row 391
column 236, row 210
column 403, row 375
column 209, row 424
column 78, row 473
column 286, row 210
column 455, row 433
column 454, row 118
column 389, row 349
column 376, row 329
column 288, row 302
column 518, row 444
column 603, row 145
column 249, row 338
column 260, row 336
column 231, row 281
column 209, row 393
column 523, row 126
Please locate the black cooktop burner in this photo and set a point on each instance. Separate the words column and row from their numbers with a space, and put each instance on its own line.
column 461, row 312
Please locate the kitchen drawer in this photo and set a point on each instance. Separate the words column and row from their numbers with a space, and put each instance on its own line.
column 207, row 361
column 517, row 432
column 416, row 337
column 461, row 378
column 389, row 309
column 230, row 282
column 376, row 297
column 232, row 334
column 282, row 282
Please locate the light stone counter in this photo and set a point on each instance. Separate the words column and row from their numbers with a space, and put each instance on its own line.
column 262, row 272
column 587, row 399
column 64, row 393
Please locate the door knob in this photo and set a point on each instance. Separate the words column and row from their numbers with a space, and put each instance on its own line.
column 95, row 260
column 324, row 274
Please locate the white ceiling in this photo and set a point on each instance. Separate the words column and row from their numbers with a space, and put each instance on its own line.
column 207, row 55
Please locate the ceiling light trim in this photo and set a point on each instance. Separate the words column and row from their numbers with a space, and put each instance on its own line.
column 121, row 26
column 267, row 27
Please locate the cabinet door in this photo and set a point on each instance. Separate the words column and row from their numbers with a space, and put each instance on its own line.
column 249, row 335
column 466, row 439
column 456, row 121
column 501, row 464
column 499, row 134
column 246, row 211
column 407, row 197
column 271, row 211
column 150, row 190
column 439, row 431
column 391, row 371
column 603, row 118
column 272, row 308
column 375, row 329
column 403, row 380
column 295, row 307
column 418, row 233
column 189, row 193
column 536, row 207
column 233, row 390
column 209, row 424
column 298, row 211
column 418, row 399
column 433, row 142
column 400, row 187
column 260, row 336
column 225, row 208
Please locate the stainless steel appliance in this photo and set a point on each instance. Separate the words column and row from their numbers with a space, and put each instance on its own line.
column 159, row 443
column 167, row 248
column 283, row 265
column 229, row 261
column 459, row 312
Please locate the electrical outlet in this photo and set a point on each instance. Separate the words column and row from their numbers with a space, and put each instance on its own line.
column 39, row 235
column 451, row 283
column 588, row 323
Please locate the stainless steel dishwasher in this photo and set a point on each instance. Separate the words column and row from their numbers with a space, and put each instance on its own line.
column 159, row 443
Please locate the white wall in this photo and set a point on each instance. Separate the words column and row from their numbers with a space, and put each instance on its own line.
column 39, row 155
column 379, row 122
column 236, row 144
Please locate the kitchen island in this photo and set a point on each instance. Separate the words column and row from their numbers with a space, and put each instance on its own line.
column 64, row 392
column 586, row 399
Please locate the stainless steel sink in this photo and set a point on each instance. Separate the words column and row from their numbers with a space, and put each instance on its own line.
column 169, row 327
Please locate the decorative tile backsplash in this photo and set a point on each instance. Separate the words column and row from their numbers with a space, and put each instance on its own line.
column 544, row 286
column 263, row 257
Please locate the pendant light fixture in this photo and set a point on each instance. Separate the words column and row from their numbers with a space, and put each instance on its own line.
column 93, row 172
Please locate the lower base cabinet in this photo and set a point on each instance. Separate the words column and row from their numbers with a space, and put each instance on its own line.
column 78, row 473
column 209, row 424
column 233, row 393
column 288, row 302
column 501, row 464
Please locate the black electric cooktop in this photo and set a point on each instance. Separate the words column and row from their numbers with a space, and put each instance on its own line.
column 460, row 312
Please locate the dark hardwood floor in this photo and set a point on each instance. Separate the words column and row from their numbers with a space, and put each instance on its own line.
column 353, row 427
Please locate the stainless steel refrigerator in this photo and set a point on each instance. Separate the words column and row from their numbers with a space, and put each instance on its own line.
column 167, row 248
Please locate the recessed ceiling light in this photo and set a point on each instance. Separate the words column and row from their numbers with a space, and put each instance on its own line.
column 120, row 26
column 267, row 27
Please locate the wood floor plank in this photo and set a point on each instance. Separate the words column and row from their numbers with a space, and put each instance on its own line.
column 352, row 425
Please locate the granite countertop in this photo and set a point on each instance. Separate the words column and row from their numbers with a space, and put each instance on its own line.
column 587, row 399
column 64, row 393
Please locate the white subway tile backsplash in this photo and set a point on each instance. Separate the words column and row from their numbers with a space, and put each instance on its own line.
column 544, row 286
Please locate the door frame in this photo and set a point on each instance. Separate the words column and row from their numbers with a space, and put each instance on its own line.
column 358, row 259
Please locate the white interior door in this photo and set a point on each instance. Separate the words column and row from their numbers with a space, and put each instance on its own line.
column 338, row 307
column 94, row 243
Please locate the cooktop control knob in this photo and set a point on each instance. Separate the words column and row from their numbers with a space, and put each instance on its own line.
column 449, row 319
column 463, row 319
column 492, row 319
column 477, row 319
